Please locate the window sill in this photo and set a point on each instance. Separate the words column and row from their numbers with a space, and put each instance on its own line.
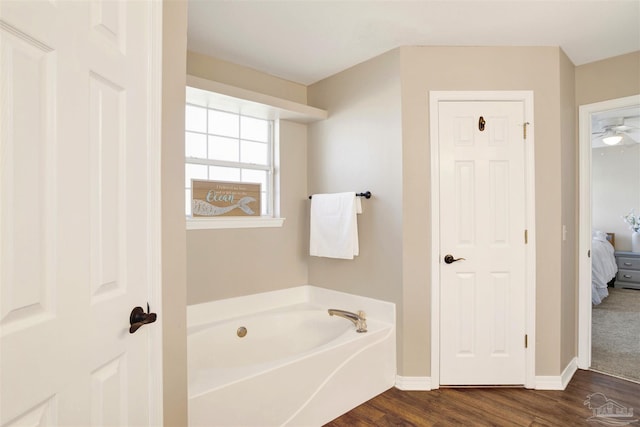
column 233, row 222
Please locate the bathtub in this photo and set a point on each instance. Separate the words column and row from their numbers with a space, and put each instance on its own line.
column 295, row 366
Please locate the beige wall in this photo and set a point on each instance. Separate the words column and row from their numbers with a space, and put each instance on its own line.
column 234, row 262
column 358, row 148
column 611, row 78
column 377, row 138
column 569, row 188
column 480, row 68
column 221, row 71
column 615, row 189
column 174, row 305
column 361, row 102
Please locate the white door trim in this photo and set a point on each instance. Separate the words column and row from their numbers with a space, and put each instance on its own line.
column 154, row 203
column 584, row 244
column 530, row 274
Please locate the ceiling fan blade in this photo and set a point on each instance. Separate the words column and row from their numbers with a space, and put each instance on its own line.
column 633, row 135
column 623, row 128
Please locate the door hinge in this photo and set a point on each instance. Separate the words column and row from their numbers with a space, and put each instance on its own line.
column 524, row 130
column 526, row 237
column 526, row 341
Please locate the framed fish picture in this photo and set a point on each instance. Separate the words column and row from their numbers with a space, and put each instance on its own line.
column 222, row 198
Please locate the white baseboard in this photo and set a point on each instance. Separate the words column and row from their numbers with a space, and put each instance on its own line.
column 568, row 372
column 551, row 382
column 413, row 383
column 559, row 382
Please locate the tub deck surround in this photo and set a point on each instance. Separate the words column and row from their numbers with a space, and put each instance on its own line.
column 296, row 365
column 225, row 309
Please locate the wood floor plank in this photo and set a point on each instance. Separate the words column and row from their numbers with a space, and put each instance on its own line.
column 493, row 406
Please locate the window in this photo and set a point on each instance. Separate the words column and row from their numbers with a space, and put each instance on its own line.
column 226, row 146
column 221, row 144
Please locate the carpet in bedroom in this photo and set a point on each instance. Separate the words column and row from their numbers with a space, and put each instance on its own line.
column 615, row 334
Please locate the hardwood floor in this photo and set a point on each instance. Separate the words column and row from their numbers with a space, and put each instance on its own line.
column 495, row 406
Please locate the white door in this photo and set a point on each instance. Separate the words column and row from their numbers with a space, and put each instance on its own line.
column 74, row 212
column 482, row 227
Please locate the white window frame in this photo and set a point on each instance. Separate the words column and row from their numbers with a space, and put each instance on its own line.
column 269, row 168
column 272, row 218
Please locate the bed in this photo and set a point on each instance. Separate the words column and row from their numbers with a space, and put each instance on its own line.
column 603, row 264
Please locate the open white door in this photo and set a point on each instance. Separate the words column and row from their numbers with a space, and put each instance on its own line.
column 482, row 242
column 78, row 227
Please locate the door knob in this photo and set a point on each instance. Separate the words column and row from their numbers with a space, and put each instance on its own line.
column 449, row 259
column 138, row 318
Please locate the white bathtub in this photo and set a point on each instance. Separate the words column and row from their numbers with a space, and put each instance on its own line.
column 296, row 366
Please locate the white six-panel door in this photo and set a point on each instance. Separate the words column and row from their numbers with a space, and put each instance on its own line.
column 74, row 212
column 482, row 220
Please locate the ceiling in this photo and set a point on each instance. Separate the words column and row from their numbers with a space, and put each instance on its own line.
column 305, row 41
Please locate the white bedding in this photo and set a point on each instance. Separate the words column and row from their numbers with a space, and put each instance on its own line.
column 603, row 266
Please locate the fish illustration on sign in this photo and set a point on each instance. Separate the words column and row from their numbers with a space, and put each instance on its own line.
column 200, row 207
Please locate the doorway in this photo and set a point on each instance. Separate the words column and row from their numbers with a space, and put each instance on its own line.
column 490, row 345
column 587, row 115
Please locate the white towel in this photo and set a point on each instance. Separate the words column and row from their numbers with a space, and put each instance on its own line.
column 334, row 227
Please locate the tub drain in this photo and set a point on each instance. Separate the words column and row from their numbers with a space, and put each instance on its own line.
column 242, row 331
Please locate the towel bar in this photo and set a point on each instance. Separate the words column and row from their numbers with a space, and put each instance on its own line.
column 366, row 195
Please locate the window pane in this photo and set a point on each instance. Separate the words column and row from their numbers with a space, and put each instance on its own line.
column 195, row 118
column 223, row 148
column 220, row 173
column 254, row 152
column 187, row 204
column 195, row 145
column 254, row 129
column 226, row 124
column 263, row 203
column 260, row 177
column 192, row 171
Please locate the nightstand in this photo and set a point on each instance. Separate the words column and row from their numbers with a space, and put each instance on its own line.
column 628, row 270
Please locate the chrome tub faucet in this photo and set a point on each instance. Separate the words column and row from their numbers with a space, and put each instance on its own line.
column 358, row 319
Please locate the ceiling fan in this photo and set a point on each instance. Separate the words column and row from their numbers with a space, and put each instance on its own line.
column 612, row 131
